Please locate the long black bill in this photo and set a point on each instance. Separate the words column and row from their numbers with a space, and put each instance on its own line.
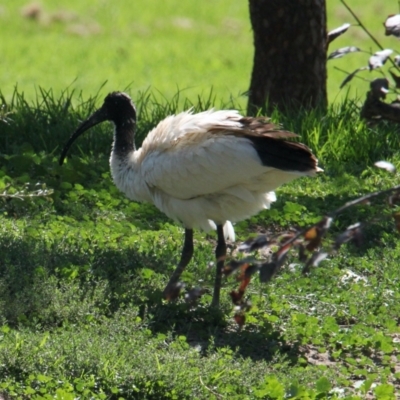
column 96, row 118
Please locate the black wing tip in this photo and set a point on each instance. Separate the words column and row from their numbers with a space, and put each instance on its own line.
column 285, row 155
column 275, row 146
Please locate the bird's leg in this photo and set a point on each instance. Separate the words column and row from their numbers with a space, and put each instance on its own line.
column 220, row 254
column 187, row 253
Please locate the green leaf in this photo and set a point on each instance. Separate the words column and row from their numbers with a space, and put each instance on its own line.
column 272, row 388
column 384, row 392
column 323, row 385
column 43, row 378
column 29, row 390
column 65, row 185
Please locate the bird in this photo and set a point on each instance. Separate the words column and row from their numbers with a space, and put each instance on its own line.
column 204, row 170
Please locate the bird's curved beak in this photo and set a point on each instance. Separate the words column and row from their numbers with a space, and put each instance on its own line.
column 96, row 118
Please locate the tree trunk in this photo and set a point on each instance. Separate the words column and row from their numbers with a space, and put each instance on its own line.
column 289, row 68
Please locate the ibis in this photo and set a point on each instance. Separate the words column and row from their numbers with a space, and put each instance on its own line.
column 204, row 170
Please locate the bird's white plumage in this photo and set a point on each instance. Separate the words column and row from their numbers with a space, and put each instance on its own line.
column 203, row 170
column 198, row 173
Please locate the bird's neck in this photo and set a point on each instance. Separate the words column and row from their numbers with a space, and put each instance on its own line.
column 125, row 164
column 124, row 137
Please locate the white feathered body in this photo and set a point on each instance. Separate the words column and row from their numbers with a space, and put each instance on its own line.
column 197, row 172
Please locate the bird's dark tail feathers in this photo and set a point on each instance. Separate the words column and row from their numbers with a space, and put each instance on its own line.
column 275, row 149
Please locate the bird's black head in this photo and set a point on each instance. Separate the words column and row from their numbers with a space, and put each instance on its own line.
column 117, row 108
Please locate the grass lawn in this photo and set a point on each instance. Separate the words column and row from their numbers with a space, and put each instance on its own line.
column 83, row 45
column 82, row 269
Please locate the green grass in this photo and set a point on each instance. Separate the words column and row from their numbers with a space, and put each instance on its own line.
column 82, row 273
column 83, row 44
column 182, row 45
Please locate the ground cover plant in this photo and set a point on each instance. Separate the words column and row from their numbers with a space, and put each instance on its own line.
column 82, row 273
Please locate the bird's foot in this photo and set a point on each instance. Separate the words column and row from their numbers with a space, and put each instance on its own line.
column 173, row 290
column 215, row 301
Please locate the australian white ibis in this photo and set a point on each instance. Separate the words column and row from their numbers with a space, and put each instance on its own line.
column 204, row 170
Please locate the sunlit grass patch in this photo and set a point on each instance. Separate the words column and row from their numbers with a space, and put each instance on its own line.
column 82, row 271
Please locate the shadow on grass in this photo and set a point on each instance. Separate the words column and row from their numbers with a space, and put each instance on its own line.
column 212, row 330
column 45, row 288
